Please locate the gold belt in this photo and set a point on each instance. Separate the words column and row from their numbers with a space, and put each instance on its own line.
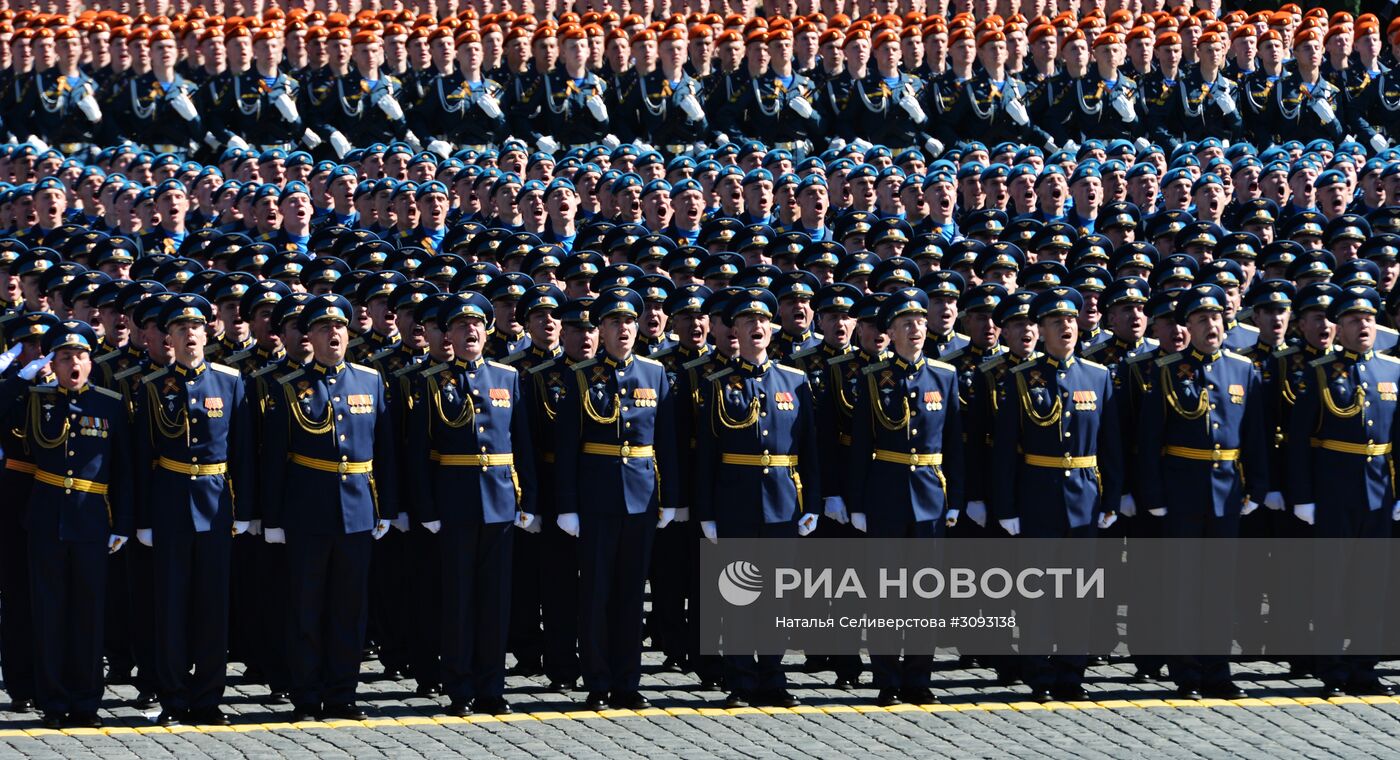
column 1202, row 455
column 922, row 460
column 326, row 465
column 472, row 460
column 624, row 451
column 69, row 483
column 1362, row 449
column 27, row 468
column 1065, row 462
column 760, row 460
column 191, row 468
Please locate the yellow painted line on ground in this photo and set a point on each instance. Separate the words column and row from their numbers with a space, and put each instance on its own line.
column 415, row 721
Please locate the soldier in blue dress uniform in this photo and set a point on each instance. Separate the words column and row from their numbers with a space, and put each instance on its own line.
column 905, row 476
column 756, row 465
column 615, row 462
column 329, row 487
column 194, row 442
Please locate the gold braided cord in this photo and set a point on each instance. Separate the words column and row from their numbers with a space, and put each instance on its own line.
column 1331, row 406
column 1169, row 395
column 885, row 421
column 588, row 404
column 323, row 427
column 44, row 441
column 843, row 404
column 463, row 417
column 173, row 429
column 725, row 419
column 1043, row 420
column 543, row 392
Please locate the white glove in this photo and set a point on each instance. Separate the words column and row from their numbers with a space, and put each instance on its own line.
column 234, row 141
column 32, row 369
column 432, row 526
column 598, row 108
column 610, row 141
column 933, row 145
column 802, row 107
column 390, row 106
column 1012, row 525
column 527, row 522
column 691, row 107
column 1223, row 99
column 286, row 106
column 721, row 138
column 1124, row 106
column 1016, row 109
column 1072, row 147
column 682, row 515
column 1323, row 109
column 144, row 536
column 275, row 536
column 950, row 518
column 311, row 139
column 911, row 106
column 340, row 144
column 441, row 148
column 806, row 523
column 834, row 507
column 836, row 144
column 412, row 140
column 1378, row 142
column 87, row 104
column 1305, row 512
column 184, row 106
column 977, row 512
column 1158, row 512
column 1249, row 506
column 8, row 358
column 858, row 521
column 489, row 106
column 1126, row 506
column 211, row 141
column 38, row 144
column 1050, row 146
column 1274, row 500
column 568, row 522
column 115, row 543
column 547, row 144
column 1107, row 519
column 380, row 529
column 707, row 528
column 1142, row 144
column 1395, row 511
column 401, row 522
column 240, row 527
column 667, row 515
column 255, row 527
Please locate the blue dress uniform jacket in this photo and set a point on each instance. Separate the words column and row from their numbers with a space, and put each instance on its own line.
column 1341, row 433
column 1201, row 431
column 756, row 437
column 79, row 443
column 329, row 462
column 194, row 450
column 1055, row 446
column 906, row 461
column 615, row 452
column 462, row 436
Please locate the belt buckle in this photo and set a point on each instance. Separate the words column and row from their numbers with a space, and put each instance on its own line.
column 626, row 450
column 68, row 483
column 1217, row 455
column 1067, row 460
column 913, row 459
column 194, row 469
column 343, row 467
column 765, row 459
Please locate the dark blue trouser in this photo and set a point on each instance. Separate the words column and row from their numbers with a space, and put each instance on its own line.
column 191, row 596
column 329, row 578
column 614, row 553
column 476, row 565
column 68, row 590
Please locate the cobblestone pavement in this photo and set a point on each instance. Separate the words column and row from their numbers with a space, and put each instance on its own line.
column 975, row 719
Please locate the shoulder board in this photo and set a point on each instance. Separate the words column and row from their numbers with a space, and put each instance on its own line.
column 238, row 357
column 790, row 370
column 992, row 363
column 499, row 365
column 434, row 369
column 1291, row 350
column 663, row 352
column 1384, row 329
column 355, row 343
column 104, row 392
column 265, row 370
column 960, row 335
column 581, row 366
column 513, row 358
column 110, row 355
column 806, row 352
column 955, row 354
column 224, row 369
column 1150, row 342
column 43, row 389
column 942, row 365
column 383, row 353
column 875, row 367
column 1236, row 356
column 1094, row 349
column 713, row 376
column 291, row 377
column 154, row 375
column 1387, row 358
column 1025, row 365
column 409, row 369
column 129, row 371
column 692, row 364
column 1169, row 359
column 1327, row 358
column 541, row 367
column 363, row 368
column 1142, row 357
column 646, row 360
column 1095, row 365
column 842, row 358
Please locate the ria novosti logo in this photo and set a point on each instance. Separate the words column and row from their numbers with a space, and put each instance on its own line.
column 740, row 583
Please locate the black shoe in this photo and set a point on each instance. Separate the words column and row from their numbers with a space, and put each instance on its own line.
column 597, row 700
column 1071, row 694
column 1188, row 692
column 1373, row 688
column 427, row 690
column 735, row 699
column 1144, row 675
column 563, row 686
column 527, row 669
column 708, row 684
column 629, row 700
column 52, row 720
column 783, row 698
column 491, row 706
column 85, row 720
column 887, row 698
column 347, row 711
column 1224, row 690
column 22, row 706
column 846, row 682
column 1041, row 695
column 145, row 700
column 209, row 716
column 1098, row 660
column 1332, row 690
column 278, row 698
column 458, row 709
column 673, row 665
column 304, row 714
column 921, row 696
column 168, row 718
column 1007, row 678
